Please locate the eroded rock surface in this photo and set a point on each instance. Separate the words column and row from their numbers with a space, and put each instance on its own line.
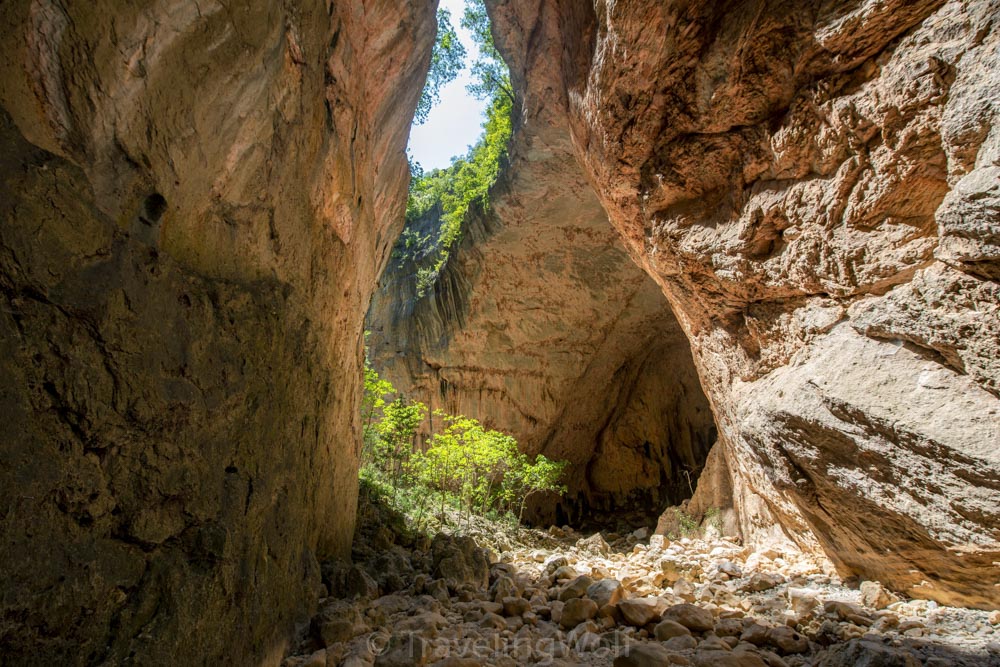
column 813, row 187
column 541, row 326
column 195, row 200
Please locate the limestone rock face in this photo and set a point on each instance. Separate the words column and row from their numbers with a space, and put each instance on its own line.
column 195, row 201
column 813, row 186
column 542, row 326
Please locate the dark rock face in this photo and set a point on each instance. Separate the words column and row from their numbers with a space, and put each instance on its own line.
column 194, row 205
column 810, row 185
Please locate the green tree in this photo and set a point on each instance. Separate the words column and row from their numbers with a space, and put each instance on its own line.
column 482, row 468
column 438, row 467
column 396, row 432
column 527, row 477
column 373, row 399
column 447, row 61
column 489, row 71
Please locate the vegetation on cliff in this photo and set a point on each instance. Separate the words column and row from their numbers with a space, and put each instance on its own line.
column 452, row 191
column 447, row 61
column 449, row 192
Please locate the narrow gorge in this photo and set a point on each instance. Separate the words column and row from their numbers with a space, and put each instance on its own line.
column 739, row 267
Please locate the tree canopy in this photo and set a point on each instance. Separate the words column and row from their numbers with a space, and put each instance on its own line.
column 489, row 70
column 447, row 61
column 468, row 179
column 477, row 469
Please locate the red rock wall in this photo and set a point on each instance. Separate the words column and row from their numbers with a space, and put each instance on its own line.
column 814, row 188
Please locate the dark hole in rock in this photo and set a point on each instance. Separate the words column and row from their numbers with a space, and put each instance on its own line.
column 153, row 208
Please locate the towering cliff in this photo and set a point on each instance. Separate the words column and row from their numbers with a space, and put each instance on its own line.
column 814, row 189
column 196, row 199
column 541, row 326
column 771, row 221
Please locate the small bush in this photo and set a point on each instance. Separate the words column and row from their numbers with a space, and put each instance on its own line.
column 479, row 471
column 713, row 518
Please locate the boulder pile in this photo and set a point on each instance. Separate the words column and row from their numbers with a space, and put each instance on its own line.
column 610, row 600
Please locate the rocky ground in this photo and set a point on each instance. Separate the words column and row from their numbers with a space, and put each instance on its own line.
column 561, row 598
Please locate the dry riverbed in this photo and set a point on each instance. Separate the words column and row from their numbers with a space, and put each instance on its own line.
column 561, row 598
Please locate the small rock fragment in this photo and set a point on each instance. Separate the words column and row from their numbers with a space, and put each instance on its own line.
column 690, row 616
column 640, row 611
column 605, row 592
column 595, row 544
column 763, row 581
column 682, row 643
column 684, row 589
column 404, row 650
column 577, row 611
column 874, row 595
column 576, row 588
column 787, row 640
column 734, row 659
column 644, row 655
column 491, row 620
column 515, row 606
column 667, row 629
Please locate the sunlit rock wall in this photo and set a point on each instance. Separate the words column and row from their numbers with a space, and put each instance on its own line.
column 814, row 187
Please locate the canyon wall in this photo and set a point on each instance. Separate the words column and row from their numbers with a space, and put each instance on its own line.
column 541, row 326
column 196, row 200
column 814, row 186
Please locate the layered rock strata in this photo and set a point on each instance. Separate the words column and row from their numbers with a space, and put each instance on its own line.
column 196, row 199
column 814, row 188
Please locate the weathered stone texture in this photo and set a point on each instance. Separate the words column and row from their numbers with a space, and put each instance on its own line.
column 541, row 325
column 195, row 201
column 813, row 187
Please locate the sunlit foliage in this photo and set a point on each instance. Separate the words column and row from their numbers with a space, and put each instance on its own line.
column 480, row 471
column 452, row 191
column 447, row 61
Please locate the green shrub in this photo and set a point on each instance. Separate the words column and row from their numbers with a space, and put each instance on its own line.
column 686, row 525
column 480, row 471
column 713, row 518
column 373, row 399
column 483, row 468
